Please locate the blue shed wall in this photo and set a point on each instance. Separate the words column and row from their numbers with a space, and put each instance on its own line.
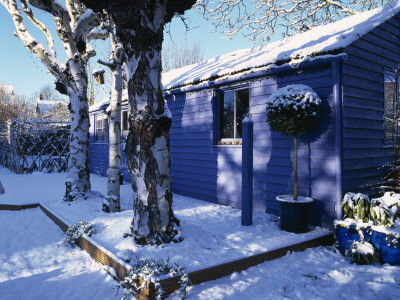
column 364, row 151
column 213, row 172
column 98, row 151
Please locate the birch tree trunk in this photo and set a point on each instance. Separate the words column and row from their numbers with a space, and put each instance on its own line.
column 78, row 180
column 114, row 167
column 73, row 24
column 139, row 26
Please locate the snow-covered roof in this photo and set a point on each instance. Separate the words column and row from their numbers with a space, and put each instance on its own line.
column 317, row 43
column 47, row 105
column 9, row 88
column 105, row 102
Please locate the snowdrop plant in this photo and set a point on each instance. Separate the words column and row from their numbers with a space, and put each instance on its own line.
column 76, row 230
column 293, row 110
column 148, row 271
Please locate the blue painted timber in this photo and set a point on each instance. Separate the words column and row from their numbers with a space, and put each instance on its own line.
column 247, row 172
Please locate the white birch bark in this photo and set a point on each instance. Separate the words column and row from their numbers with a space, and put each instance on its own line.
column 114, row 167
column 139, row 27
column 73, row 23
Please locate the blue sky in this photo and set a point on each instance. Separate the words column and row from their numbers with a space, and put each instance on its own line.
column 21, row 69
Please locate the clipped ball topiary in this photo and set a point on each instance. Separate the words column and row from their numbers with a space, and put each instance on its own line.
column 293, row 109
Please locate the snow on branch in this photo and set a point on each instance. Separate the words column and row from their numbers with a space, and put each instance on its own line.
column 48, row 58
column 86, row 23
column 41, row 26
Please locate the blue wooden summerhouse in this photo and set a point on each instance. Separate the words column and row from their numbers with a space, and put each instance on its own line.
column 351, row 64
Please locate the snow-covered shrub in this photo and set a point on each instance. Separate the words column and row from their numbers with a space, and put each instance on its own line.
column 76, row 230
column 293, row 109
column 356, row 207
column 386, row 210
column 363, row 253
column 148, row 271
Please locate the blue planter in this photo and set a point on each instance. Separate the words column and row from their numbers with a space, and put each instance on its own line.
column 385, row 245
column 347, row 235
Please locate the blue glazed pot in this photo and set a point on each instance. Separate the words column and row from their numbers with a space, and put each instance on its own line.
column 347, row 235
column 384, row 244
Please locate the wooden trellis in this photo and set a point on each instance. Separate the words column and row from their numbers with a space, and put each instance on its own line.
column 38, row 146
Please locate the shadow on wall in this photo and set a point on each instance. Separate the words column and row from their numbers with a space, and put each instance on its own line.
column 316, row 162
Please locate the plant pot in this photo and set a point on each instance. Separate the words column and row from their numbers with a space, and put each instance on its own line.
column 388, row 246
column 346, row 235
column 294, row 215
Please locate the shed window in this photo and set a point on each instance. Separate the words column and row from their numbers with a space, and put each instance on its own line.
column 233, row 107
column 101, row 128
column 390, row 109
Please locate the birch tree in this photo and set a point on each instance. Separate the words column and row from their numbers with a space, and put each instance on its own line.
column 73, row 24
column 139, row 26
column 115, row 64
column 259, row 19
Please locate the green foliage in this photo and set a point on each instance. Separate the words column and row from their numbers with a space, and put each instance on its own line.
column 76, row 230
column 356, row 207
column 381, row 213
column 363, row 253
column 293, row 109
column 149, row 271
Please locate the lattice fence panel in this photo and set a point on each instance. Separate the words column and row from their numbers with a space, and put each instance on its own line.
column 38, row 146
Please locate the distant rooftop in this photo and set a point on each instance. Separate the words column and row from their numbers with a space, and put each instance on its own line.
column 7, row 87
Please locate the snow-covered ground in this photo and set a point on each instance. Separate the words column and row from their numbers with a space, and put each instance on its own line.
column 34, row 264
column 212, row 233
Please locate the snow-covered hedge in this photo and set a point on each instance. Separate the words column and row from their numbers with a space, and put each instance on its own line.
column 293, row 109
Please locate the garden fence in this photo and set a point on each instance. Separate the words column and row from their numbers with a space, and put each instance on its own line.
column 37, row 146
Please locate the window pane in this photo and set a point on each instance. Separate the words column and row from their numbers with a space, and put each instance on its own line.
column 242, row 108
column 227, row 115
column 390, row 105
column 99, row 122
column 99, row 135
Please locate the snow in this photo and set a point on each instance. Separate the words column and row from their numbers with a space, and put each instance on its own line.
column 34, row 264
column 212, row 233
column 319, row 43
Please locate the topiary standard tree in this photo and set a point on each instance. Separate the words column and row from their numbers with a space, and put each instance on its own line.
column 293, row 110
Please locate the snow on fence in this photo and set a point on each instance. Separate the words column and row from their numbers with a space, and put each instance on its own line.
column 37, row 146
column 3, row 143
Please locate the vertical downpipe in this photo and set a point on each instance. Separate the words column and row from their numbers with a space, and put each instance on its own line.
column 247, row 171
column 338, row 104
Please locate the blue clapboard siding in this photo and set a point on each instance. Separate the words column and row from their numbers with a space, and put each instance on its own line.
column 213, row 173
column 98, row 151
column 364, row 153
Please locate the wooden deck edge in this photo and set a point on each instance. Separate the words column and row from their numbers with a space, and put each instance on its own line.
column 55, row 218
column 18, row 206
column 170, row 285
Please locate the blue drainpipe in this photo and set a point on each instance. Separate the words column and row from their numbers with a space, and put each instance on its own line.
column 338, row 104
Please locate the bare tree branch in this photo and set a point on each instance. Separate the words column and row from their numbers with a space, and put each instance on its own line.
column 260, row 19
column 48, row 58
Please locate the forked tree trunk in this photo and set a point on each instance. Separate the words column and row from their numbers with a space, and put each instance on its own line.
column 139, row 27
